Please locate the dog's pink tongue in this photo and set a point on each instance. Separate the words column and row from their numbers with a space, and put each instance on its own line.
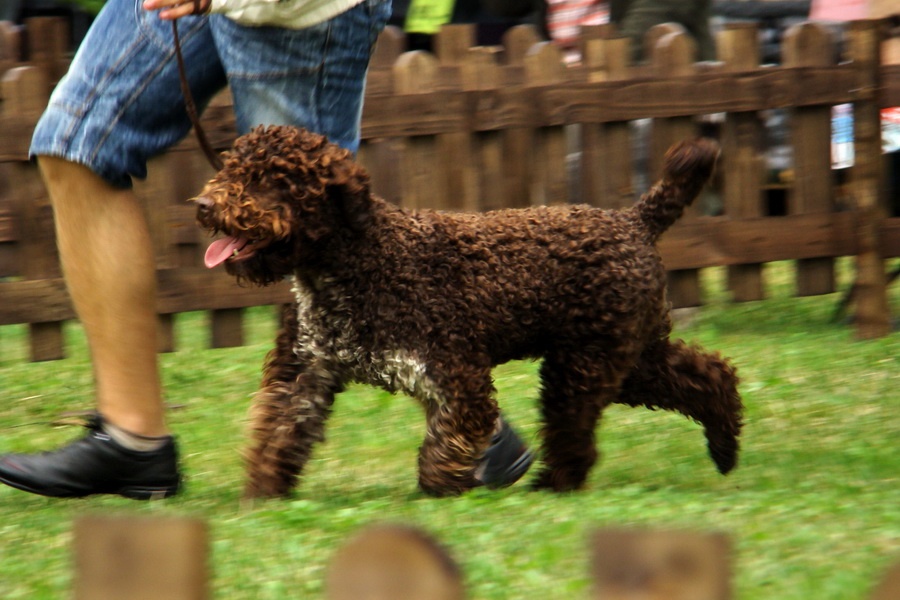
column 219, row 251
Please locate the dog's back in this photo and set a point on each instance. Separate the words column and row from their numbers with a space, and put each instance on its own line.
column 528, row 276
column 525, row 279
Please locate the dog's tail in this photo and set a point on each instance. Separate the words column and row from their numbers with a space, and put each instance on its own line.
column 688, row 166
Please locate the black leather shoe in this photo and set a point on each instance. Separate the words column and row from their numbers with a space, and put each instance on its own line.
column 95, row 464
column 505, row 460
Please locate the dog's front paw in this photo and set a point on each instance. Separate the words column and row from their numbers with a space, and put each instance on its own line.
column 252, row 492
column 441, row 485
column 446, row 489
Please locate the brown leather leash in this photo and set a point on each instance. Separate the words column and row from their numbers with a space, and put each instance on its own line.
column 211, row 155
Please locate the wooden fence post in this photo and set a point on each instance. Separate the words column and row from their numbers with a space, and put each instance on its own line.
column 518, row 41
column 518, row 140
column 660, row 565
column 10, row 46
column 544, row 66
column 606, row 158
column 24, row 93
column 380, row 156
column 8, row 259
column 872, row 315
column 48, row 46
column 810, row 45
column 156, row 193
column 141, row 558
column 890, row 47
column 37, row 247
column 456, row 170
column 481, row 73
column 417, row 73
column 393, row 562
column 673, row 56
column 889, row 588
column 741, row 164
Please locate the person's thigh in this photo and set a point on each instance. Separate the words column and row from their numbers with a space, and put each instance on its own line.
column 312, row 77
column 121, row 102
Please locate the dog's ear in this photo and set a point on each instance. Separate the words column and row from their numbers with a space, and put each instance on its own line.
column 349, row 190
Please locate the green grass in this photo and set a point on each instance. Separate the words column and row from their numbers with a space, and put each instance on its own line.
column 813, row 508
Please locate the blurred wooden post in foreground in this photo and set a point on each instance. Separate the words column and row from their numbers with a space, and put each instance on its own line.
column 141, row 558
column 393, row 562
column 660, row 565
column 889, row 588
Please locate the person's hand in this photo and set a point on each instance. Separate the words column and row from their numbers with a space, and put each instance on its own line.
column 175, row 9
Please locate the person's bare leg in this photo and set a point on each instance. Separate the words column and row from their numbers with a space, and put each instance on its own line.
column 107, row 257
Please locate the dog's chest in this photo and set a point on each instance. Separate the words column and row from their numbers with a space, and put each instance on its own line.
column 329, row 333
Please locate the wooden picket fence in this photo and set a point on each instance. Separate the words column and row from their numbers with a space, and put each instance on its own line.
column 479, row 128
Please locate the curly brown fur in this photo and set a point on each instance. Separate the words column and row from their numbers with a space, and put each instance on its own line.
column 427, row 303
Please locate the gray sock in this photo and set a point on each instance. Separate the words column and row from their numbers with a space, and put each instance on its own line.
column 134, row 441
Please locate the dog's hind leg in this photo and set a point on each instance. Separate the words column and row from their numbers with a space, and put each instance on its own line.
column 287, row 416
column 700, row 385
column 462, row 414
column 574, row 391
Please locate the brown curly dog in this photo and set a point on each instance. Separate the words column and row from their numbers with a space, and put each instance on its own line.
column 427, row 302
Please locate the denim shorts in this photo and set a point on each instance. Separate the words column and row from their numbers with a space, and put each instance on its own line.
column 121, row 102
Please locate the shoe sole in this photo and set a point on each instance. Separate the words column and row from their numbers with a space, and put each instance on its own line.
column 136, row 493
column 513, row 472
column 133, row 493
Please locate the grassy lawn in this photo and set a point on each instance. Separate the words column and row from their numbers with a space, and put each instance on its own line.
column 813, row 508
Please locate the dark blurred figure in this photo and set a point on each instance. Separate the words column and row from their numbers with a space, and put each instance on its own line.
column 634, row 17
column 422, row 19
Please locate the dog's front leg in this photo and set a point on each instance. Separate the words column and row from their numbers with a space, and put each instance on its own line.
column 288, row 415
column 461, row 417
column 287, row 419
